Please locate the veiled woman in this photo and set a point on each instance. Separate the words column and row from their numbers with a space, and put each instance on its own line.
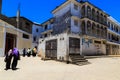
column 16, row 57
column 8, row 58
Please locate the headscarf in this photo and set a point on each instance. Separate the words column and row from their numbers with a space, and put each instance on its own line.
column 10, row 52
column 15, row 51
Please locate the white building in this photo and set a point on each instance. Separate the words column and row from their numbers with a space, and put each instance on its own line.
column 113, row 41
column 79, row 28
column 37, row 29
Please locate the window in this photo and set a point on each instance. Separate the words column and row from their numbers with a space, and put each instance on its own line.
column 88, row 12
column 112, row 26
column 98, row 42
column 45, row 35
column 27, row 25
column 37, row 30
column 34, row 39
column 25, row 36
column 83, row 11
column 46, row 27
column 109, row 35
column 108, row 24
column 76, row 22
column 75, row 7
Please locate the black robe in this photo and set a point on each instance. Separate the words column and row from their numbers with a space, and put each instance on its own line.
column 15, row 61
column 24, row 52
column 8, row 60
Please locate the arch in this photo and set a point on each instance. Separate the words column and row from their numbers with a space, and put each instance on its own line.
column 97, row 16
column 89, row 12
column 83, row 27
column 108, row 24
column 105, row 32
column 83, row 11
column 101, row 31
column 88, row 27
column 101, row 18
column 93, row 29
column 105, row 19
column 98, row 30
column 112, row 27
column 93, row 14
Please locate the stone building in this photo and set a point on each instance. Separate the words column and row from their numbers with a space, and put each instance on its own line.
column 80, row 28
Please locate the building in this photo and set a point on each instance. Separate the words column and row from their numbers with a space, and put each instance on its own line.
column 24, row 24
column 113, row 39
column 80, row 28
column 47, row 28
column 36, row 30
column 13, row 37
column 14, row 32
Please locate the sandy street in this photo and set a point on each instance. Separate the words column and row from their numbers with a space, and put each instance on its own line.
column 36, row 69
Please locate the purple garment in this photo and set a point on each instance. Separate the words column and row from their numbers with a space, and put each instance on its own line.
column 15, row 52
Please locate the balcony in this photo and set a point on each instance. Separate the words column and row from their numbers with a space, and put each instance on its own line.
column 114, row 41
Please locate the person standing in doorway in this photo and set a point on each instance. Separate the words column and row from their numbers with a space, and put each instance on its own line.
column 16, row 57
column 7, row 59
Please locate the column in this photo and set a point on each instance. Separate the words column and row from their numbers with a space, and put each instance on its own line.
column 86, row 27
column 85, row 10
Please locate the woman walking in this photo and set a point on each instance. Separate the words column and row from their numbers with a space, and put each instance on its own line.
column 8, row 58
column 16, row 57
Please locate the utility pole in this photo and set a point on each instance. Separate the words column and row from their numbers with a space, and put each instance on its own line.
column 18, row 23
column 18, row 16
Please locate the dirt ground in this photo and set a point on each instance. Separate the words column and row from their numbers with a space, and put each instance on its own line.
column 33, row 68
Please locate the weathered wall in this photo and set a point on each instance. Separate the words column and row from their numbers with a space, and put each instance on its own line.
column 2, row 39
column 93, row 49
column 63, row 46
column 21, row 42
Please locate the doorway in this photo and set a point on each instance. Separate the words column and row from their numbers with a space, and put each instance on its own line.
column 51, row 49
column 74, row 46
column 10, row 42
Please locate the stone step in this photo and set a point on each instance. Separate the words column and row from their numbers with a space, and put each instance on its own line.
column 82, row 63
column 78, row 59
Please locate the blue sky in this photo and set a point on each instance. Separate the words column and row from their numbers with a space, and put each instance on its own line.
column 40, row 10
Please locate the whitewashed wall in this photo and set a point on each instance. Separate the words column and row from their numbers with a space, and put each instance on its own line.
column 62, row 40
column 36, row 34
column 62, row 46
column 92, row 49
